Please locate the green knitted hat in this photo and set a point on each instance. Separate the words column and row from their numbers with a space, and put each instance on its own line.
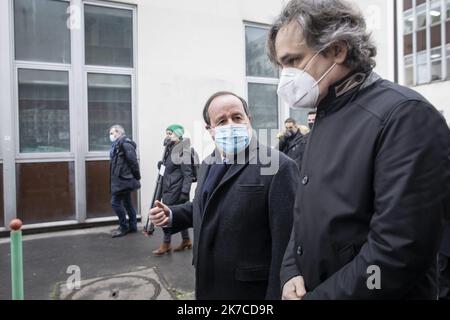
column 177, row 129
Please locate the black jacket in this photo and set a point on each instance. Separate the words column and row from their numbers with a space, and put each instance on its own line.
column 294, row 147
column 375, row 191
column 124, row 167
column 178, row 174
column 445, row 248
column 241, row 236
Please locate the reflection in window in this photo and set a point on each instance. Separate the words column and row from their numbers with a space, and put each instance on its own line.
column 44, row 124
column 435, row 11
column 108, row 36
column 408, row 23
column 109, row 103
column 421, row 17
column 263, row 103
column 41, row 32
column 258, row 64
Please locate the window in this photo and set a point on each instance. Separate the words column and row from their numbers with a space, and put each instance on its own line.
column 43, row 111
column 423, row 46
column 264, row 101
column 109, row 103
column 41, row 33
column 109, row 66
column 258, row 64
column 55, row 125
column 262, row 81
column 108, row 36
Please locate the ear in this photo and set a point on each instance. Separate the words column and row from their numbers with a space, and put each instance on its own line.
column 339, row 52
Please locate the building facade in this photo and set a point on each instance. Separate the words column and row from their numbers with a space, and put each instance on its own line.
column 424, row 49
column 71, row 69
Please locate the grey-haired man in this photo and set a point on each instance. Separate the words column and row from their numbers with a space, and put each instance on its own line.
column 376, row 171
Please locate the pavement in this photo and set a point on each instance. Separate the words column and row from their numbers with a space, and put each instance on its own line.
column 121, row 268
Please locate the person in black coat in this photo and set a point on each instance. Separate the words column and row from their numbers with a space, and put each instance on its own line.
column 242, row 209
column 444, row 263
column 124, row 179
column 177, row 181
column 444, row 266
column 292, row 142
column 375, row 189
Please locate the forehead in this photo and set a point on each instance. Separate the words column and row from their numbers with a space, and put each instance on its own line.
column 290, row 40
column 225, row 104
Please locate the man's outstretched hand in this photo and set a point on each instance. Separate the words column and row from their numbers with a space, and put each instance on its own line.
column 159, row 215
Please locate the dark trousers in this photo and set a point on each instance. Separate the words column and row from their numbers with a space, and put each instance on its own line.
column 168, row 235
column 122, row 205
column 444, row 277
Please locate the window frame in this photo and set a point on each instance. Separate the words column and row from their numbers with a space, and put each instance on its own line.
column 78, row 109
column 282, row 110
column 46, row 66
column 130, row 71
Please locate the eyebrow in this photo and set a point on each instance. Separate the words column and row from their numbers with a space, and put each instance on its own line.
column 289, row 56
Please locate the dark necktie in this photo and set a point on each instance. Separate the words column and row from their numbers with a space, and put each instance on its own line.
column 215, row 175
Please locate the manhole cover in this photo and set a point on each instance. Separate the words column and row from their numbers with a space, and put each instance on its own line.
column 141, row 285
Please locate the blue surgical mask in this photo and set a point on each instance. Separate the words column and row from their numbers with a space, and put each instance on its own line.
column 232, row 139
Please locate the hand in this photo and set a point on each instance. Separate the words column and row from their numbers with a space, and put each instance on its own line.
column 159, row 164
column 159, row 215
column 294, row 289
column 280, row 135
column 184, row 197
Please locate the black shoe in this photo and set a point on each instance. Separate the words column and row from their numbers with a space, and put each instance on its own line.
column 132, row 230
column 119, row 233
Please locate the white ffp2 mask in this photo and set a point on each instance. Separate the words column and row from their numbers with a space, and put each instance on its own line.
column 298, row 88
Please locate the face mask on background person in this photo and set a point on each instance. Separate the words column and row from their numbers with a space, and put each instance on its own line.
column 298, row 88
column 167, row 141
column 232, row 139
column 112, row 138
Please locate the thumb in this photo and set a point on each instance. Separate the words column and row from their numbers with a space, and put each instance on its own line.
column 300, row 288
column 159, row 204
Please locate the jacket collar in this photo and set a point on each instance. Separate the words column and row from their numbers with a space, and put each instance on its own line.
column 345, row 90
column 251, row 154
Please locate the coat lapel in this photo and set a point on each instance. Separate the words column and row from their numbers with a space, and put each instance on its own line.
column 234, row 170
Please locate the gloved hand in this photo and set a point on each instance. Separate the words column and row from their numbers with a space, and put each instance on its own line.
column 159, row 164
